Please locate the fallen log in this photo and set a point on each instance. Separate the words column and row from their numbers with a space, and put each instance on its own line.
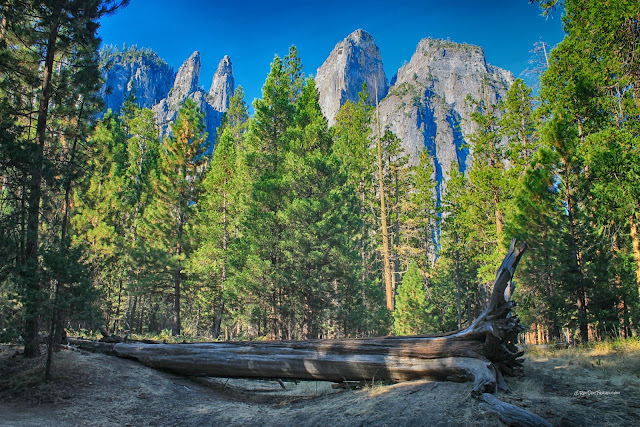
column 511, row 414
column 482, row 352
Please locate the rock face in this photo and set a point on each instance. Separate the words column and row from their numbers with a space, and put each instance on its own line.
column 212, row 105
column 157, row 86
column 427, row 105
column 139, row 70
column 187, row 78
column 222, row 86
column 354, row 61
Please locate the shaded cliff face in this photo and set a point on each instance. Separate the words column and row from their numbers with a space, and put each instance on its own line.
column 427, row 105
column 354, row 61
column 139, row 70
column 212, row 104
column 157, row 86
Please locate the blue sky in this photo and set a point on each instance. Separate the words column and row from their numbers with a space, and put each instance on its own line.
column 252, row 32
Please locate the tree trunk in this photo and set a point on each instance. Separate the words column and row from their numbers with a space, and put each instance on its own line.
column 388, row 280
column 223, row 279
column 3, row 28
column 177, row 326
column 483, row 352
column 580, row 291
column 457, row 269
column 636, row 249
column 511, row 414
column 116, row 319
column 31, row 347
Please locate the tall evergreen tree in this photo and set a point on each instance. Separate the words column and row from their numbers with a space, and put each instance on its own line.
column 221, row 207
column 269, row 141
column 410, row 315
column 455, row 265
column 318, row 257
column 110, row 205
column 177, row 187
column 42, row 33
column 354, row 147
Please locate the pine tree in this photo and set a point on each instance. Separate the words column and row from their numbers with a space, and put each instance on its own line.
column 455, row 265
column 410, row 314
column 353, row 146
column 422, row 214
column 40, row 33
column 97, row 215
column 317, row 255
column 221, row 206
column 488, row 198
column 269, row 144
column 176, row 192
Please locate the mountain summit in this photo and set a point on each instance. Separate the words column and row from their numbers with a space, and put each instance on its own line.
column 427, row 106
column 352, row 62
column 212, row 104
column 223, row 85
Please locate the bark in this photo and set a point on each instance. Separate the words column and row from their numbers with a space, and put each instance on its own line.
column 511, row 414
column 177, row 282
column 388, row 280
column 580, row 291
column 457, row 269
column 116, row 319
column 636, row 249
column 3, row 29
column 31, row 348
column 482, row 352
column 498, row 214
column 177, row 326
column 223, row 279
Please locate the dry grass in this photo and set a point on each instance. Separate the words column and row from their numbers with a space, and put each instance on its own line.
column 597, row 384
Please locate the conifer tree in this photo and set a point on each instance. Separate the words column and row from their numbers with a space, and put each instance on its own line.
column 269, row 144
column 455, row 267
column 318, row 257
column 40, row 33
column 96, row 223
column 354, row 147
column 221, row 206
column 410, row 314
column 422, row 215
column 176, row 190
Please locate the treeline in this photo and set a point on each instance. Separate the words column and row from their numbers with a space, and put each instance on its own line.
column 291, row 229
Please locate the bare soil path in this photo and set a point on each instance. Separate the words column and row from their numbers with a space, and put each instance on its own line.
column 97, row 390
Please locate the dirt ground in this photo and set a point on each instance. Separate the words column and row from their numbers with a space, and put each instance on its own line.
column 97, row 390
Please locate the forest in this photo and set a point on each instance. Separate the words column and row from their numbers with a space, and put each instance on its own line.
column 291, row 229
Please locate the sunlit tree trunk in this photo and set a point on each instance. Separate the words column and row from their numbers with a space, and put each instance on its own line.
column 388, row 280
column 635, row 241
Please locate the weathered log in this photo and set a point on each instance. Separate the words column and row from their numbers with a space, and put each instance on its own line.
column 511, row 414
column 482, row 352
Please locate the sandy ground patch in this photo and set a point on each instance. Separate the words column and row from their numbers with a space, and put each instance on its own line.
column 97, row 390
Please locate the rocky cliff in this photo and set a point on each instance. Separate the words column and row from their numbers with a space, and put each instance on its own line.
column 157, row 86
column 352, row 62
column 427, row 105
column 139, row 70
column 223, row 85
column 212, row 104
